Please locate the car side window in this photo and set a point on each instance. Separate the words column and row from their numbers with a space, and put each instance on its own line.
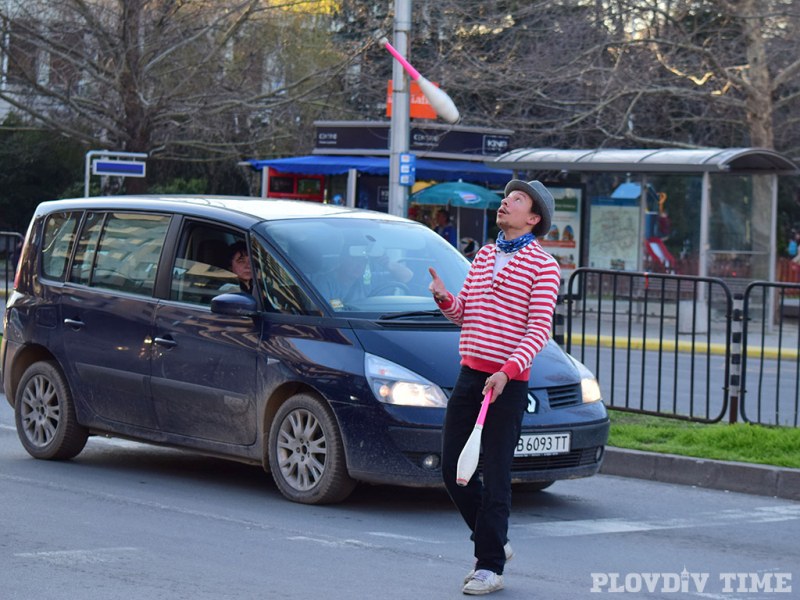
column 57, row 242
column 202, row 266
column 87, row 245
column 120, row 251
column 281, row 292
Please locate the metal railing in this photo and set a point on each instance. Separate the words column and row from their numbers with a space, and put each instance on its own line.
column 656, row 342
column 683, row 347
column 770, row 369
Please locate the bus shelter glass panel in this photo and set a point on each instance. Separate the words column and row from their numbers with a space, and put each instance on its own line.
column 740, row 226
column 672, row 224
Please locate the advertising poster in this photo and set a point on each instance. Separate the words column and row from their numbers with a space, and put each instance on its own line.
column 615, row 233
column 564, row 239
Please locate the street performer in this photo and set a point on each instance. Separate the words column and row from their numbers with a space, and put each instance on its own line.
column 505, row 310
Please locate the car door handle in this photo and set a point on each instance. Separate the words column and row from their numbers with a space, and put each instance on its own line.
column 74, row 323
column 165, row 342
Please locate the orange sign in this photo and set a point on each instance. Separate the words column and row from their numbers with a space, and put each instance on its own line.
column 419, row 107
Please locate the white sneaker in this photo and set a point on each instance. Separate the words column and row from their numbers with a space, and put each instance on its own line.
column 483, row 582
column 509, row 551
column 509, row 555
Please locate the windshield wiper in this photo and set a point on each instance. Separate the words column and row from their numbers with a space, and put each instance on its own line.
column 412, row 314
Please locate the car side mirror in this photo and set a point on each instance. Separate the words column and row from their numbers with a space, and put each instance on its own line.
column 237, row 304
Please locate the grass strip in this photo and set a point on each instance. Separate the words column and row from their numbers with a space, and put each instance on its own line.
column 741, row 442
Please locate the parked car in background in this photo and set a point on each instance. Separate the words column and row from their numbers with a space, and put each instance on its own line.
column 128, row 320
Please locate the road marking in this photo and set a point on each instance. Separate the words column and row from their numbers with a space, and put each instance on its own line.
column 79, row 557
column 764, row 514
column 348, row 543
column 408, row 538
column 561, row 528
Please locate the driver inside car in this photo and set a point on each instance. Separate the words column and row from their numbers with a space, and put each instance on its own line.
column 359, row 274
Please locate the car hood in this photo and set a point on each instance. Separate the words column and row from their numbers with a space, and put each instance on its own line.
column 434, row 355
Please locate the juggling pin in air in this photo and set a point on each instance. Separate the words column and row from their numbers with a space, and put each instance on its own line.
column 439, row 100
column 468, row 459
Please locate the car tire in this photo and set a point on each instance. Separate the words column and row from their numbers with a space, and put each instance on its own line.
column 306, row 452
column 536, row 486
column 45, row 414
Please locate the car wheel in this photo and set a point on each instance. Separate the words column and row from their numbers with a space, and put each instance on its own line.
column 45, row 415
column 306, row 453
column 537, row 486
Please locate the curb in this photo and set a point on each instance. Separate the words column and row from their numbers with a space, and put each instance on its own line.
column 747, row 478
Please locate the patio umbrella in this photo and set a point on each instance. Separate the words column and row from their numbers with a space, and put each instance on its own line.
column 458, row 194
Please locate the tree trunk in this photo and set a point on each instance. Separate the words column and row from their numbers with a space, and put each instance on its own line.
column 759, row 89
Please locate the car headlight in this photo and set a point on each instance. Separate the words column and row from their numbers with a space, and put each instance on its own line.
column 590, row 389
column 394, row 384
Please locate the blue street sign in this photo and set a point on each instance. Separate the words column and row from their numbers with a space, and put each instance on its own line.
column 116, row 164
column 408, row 169
column 119, row 168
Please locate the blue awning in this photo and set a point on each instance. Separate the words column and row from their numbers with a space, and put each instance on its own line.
column 442, row 170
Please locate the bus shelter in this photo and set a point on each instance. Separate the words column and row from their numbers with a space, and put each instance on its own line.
column 710, row 212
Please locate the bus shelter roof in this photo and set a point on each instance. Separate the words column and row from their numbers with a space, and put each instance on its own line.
column 665, row 160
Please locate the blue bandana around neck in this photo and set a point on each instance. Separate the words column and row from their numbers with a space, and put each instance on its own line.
column 509, row 246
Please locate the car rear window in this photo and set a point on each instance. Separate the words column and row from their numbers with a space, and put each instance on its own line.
column 58, row 239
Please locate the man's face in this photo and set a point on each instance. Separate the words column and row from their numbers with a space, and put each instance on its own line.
column 515, row 213
column 241, row 266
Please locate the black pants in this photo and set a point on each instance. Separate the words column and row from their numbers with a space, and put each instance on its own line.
column 485, row 505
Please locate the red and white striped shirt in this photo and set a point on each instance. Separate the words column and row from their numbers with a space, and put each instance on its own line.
column 506, row 318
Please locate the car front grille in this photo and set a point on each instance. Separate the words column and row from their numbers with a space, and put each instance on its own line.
column 558, row 396
column 563, row 395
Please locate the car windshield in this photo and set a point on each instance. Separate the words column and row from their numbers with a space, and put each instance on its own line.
column 369, row 267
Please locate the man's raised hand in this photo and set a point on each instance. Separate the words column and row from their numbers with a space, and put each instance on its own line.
column 437, row 287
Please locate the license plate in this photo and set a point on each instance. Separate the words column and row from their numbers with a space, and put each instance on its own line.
column 542, row 444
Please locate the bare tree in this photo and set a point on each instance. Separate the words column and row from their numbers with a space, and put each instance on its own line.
column 739, row 57
column 575, row 73
column 537, row 67
column 231, row 78
column 202, row 80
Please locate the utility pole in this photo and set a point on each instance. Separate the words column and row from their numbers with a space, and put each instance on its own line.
column 399, row 128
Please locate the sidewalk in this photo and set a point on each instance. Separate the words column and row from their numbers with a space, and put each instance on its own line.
column 656, row 335
column 761, row 480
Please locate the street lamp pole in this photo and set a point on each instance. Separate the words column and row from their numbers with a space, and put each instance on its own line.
column 399, row 128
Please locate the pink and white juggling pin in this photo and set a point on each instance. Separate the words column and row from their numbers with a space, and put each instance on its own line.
column 468, row 459
column 439, row 100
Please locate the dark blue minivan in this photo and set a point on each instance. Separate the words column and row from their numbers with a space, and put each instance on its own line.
column 289, row 334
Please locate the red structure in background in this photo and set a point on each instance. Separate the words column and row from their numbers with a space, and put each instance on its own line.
column 788, row 271
column 294, row 186
column 661, row 259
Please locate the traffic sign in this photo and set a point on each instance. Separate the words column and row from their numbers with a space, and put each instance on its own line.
column 112, row 163
column 120, row 168
column 408, row 168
